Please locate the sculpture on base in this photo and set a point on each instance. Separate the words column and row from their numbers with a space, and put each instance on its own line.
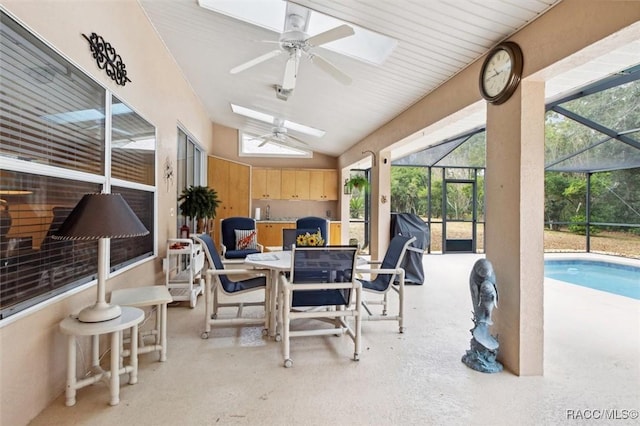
column 484, row 296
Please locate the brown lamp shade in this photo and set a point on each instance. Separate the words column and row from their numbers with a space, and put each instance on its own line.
column 101, row 216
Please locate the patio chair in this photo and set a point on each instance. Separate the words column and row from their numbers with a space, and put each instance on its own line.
column 217, row 281
column 312, row 224
column 332, row 299
column 239, row 237
column 385, row 276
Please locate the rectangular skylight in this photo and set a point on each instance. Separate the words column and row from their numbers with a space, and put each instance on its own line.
column 364, row 45
column 268, row 118
column 249, row 146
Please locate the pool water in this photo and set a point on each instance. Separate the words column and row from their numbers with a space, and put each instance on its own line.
column 614, row 278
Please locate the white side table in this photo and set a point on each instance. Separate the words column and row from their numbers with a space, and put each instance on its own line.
column 70, row 326
column 140, row 297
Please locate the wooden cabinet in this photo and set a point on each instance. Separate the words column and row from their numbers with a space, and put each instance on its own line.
column 270, row 233
column 231, row 182
column 323, row 185
column 335, row 233
column 295, row 184
column 265, row 184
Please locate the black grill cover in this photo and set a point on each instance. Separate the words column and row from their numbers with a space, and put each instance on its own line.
column 412, row 225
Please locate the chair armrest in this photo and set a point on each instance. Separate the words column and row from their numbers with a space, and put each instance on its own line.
column 232, row 261
column 223, row 249
column 257, row 272
column 260, row 247
column 378, row 271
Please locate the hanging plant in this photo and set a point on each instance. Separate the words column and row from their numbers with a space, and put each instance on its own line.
column 199, row 202
column 358, row 182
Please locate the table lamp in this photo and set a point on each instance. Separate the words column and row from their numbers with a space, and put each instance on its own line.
column 100, row 217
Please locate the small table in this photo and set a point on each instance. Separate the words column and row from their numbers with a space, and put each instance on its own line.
column 70, row 326
column 140, row 297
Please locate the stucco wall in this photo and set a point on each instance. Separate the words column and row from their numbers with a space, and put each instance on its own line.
column 32, row 350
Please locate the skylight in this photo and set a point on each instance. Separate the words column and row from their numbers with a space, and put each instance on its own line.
column 249, row 146
column 268, row 118
column 364, row 45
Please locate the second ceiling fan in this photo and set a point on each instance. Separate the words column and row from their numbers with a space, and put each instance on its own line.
column 296, row 43
column 279, row 136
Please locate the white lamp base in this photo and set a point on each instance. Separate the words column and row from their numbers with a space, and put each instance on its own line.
column 99, row 312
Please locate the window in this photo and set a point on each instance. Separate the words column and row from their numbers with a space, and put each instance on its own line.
column 62, row 135
column 255, row 146
column 190, row 170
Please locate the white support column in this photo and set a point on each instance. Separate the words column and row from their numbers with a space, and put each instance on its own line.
column 514, row 229
column 380, row 204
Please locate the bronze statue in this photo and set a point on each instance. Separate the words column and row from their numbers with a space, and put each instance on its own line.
column 484, row 297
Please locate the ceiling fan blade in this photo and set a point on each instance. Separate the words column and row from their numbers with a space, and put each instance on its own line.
column 331, row 69
column 288, row 144
column 291, row 72
column 331, row 35
column 256, row 61
column 294, row 139
column 262, row 138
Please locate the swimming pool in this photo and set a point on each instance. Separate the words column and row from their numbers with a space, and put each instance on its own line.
column 605, row 276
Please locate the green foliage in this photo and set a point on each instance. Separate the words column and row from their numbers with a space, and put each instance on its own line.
column 578, row 226
column 356, row 207
column 358, row 182
column 198, row 202
column 409, row 190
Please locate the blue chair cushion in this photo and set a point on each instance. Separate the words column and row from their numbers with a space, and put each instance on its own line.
column 233, row 286
column 229, row 286
column 239, row 254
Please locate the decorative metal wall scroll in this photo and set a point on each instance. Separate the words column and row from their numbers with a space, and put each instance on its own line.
column 107, row 59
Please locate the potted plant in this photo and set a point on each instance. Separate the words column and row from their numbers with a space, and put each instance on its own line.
column 200, row 203
column 358, row 182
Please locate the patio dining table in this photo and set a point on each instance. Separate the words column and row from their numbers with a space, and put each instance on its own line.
column 277, row 262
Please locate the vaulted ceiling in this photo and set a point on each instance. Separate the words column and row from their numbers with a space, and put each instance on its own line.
column 435, row 41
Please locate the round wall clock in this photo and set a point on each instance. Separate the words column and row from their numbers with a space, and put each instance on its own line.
column 501, row 72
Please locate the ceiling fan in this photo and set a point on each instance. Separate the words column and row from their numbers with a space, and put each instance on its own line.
column 279, row 136
column 295, row 42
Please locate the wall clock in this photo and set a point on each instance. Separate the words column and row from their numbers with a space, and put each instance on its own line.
column 501, row 72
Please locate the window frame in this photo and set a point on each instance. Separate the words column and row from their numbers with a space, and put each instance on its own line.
column 103, row 179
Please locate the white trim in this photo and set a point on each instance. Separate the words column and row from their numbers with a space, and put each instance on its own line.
column 22, row 166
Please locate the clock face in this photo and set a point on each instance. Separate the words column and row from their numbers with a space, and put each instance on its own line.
column 497, row 73
column 501, row 72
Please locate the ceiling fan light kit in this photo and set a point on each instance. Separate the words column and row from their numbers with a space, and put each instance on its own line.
column 296, row 43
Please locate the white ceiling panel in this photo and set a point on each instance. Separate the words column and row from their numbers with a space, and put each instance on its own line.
column 435, row 40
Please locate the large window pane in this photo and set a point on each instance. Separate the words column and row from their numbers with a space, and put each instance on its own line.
column 52, row 125
column 189, row 168
column 50, row 113
column 34, row 266
column 133, row 145
column 127, row 250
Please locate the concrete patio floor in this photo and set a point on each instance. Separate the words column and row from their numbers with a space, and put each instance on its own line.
column 236, row 377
